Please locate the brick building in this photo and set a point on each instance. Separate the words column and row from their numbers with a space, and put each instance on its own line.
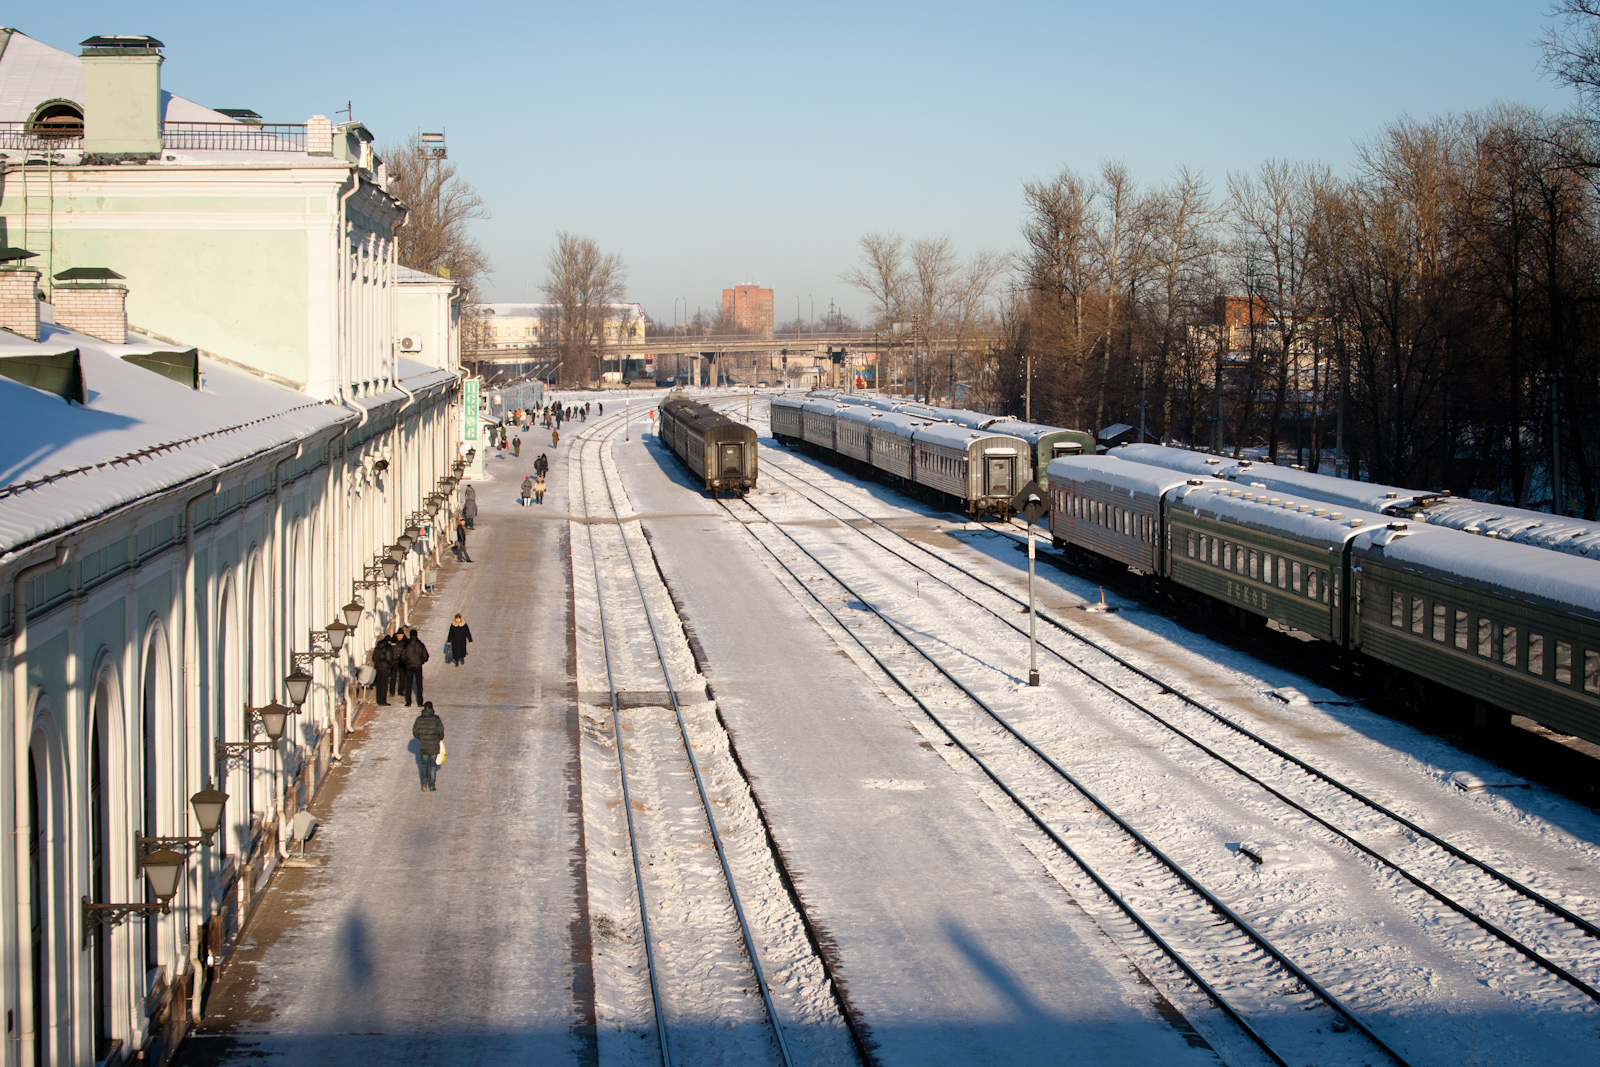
column 749, row 307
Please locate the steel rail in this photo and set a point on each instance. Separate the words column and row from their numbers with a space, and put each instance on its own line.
column 1205, row 987
column 1488, row 926
column 622, row 765
column 1554, row 908
column 699, row 781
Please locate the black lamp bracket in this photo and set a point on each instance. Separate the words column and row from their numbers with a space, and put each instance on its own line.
column 113, row 915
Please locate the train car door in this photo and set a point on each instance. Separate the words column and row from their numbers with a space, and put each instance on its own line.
column 731, row 461
column 999, row 468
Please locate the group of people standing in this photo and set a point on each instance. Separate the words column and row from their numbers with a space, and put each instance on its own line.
column 397, row 659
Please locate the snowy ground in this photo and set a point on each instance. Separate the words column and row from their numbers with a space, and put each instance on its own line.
column 1431, row 983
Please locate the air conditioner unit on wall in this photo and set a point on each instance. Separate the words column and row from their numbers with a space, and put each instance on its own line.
column 411, row 342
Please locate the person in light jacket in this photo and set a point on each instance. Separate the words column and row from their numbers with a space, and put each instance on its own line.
column 469, row 510
column 527, row 490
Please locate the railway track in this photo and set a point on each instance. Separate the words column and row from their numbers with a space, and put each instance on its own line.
column 1502, row 907
column 1278, row 1006
column 700, row 953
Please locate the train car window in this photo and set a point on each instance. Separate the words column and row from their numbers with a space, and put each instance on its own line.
column 1311, row 582
column 1254, row 564
column 1563, row 663
column 1536, row 654
column 1416, row 614
column 1214, row 550
column 1438, row 622
column 1295, row 581
column 1326, row 585
column 1508, row 646
column 1461, row 629
column 1190, row 539
column 1283, row 573
column 1239, row 560
column 1591, row 671
column 1397, row 610
column 1486, row 637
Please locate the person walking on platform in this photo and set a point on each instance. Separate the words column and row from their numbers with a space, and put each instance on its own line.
column 460, row 545
column 538, row 489
column 527, row 490
column 516, row 446
column 428, row 729
column 460, row 633
column 469, row 510
column 383, row 663
column 541, row 465
column 413, row 654
column 555, row 438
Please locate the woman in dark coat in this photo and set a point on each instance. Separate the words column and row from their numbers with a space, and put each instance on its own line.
column 469, row 510
column 460, row 633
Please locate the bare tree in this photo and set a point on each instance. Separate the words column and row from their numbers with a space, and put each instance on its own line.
column 582, row 283
column 436, row 237
column 1183, row 250
column 1059, row 270
column 881, row 275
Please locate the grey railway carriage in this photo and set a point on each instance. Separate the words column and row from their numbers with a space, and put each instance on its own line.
column 720, row 451
column 786, row 418
column 891, row 434
column 981, row 470
column 1112, row 508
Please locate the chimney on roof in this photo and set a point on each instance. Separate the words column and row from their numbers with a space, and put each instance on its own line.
column 122, row 97
column 94, row 301
column 19, row 302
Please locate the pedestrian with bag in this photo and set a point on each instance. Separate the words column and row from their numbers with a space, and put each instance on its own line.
column 456, row 639
column 538, row 489
column 413, row 654
column 428, row 729
column 383, row 663
column 527, row 490
column 460, row 545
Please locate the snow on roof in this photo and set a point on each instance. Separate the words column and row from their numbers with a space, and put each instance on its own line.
column 1346, row 492
column 1540, row 529
column 824, row 407
column 900, row 423
column 140, row 433
column 955, row 435
column 1520, row 572
column 859, row 413
column 411, row 276
column 790, row 401
column 1215, row 499
column 1119, row 475
column 531, row 310
column 1032, row 432
column 32, row 72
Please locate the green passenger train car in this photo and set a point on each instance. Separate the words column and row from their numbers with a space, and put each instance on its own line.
column 720, row 451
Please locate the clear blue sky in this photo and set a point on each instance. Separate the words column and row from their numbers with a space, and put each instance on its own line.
column 710, row 144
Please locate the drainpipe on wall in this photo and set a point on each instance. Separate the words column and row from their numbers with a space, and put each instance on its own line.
column 22, row 729
column 338, row 509
column 191, row 700
column 279, row 574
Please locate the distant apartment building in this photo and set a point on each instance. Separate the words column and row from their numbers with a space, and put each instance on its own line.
column 749, row 307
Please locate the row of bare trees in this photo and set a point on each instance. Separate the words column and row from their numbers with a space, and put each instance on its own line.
column 1425, row 320
column 923, row 290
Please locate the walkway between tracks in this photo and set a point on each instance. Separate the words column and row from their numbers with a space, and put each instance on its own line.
column 445, row 927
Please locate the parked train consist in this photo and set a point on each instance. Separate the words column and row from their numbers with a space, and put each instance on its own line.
column 720, row 451
column 955, row 465
column 1558, row 533
column 1507, row 626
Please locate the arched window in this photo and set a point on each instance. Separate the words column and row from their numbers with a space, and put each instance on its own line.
column 56, row 120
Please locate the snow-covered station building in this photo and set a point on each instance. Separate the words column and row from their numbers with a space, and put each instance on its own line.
column 219, row 480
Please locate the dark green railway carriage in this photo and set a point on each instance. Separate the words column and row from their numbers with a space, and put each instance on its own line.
column 1270, row 556
column 1512, row 626
column 720, row 451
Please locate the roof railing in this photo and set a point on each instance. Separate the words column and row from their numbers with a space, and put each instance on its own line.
column 175, row 136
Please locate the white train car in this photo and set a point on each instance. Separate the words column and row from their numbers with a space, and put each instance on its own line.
column 1112, row 507
column 982, row 470
column 816, row 423
column 786, row 418
column 852, row 426
column 892, row 453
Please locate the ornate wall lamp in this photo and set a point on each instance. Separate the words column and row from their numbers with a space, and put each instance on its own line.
column 162, row 859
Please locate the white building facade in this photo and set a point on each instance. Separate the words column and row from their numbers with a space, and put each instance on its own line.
column 196, row 495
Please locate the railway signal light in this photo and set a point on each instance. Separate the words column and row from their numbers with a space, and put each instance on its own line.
column 1032, row 504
